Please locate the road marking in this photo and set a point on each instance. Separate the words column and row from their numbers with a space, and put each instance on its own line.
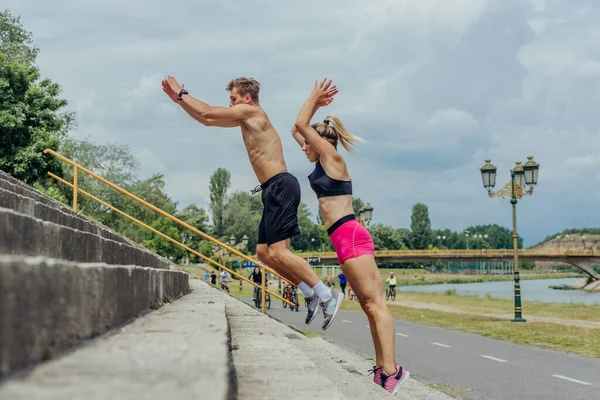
column 440, row 344
column 571, row 379
column 494, row 358
column 402, row 334
column 345, row 320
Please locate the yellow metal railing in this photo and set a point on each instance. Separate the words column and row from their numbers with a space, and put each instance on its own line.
column 76, row 190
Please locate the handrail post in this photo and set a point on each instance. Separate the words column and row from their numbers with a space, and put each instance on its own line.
column 263, row 292
column 75, row 188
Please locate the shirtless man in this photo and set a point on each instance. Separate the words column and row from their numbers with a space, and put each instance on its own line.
column 280, row 189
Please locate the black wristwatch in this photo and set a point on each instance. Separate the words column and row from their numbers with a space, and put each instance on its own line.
column 182, row 92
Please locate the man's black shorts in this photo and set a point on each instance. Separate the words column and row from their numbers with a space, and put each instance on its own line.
column 281, row 198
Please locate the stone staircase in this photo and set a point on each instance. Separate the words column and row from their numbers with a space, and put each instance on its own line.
column 74, row 323
column 65, row 279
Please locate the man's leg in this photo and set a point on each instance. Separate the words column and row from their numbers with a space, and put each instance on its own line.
column 262, row 252
column 328, row 300
column 366, row 282
column 294, row 264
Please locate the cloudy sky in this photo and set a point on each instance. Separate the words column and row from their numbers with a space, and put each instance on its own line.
column 435, row 86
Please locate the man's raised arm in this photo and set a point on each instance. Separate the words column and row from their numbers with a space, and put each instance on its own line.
column 192, row 112
column 223, row 123
column 236, row 113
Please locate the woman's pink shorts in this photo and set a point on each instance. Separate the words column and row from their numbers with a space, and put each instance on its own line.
column 350, row 239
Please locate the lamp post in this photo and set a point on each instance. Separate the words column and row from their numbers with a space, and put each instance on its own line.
column 365, row 214
column 441, row 239
column 523, row 179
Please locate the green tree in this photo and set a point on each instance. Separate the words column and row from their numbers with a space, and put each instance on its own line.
column 420, row 226
column 15, row 40
column 241, row 216
column 197, row 218
column 31, row 110
column 308, row 231
column 116, row 163
column 498, row 237
column 388, row 238
column 220, row 181
column 357, row 204
column 112, row 161
column 160, row 245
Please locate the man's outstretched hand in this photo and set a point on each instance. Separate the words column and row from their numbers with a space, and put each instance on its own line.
column 324, row 92
column 172, row 88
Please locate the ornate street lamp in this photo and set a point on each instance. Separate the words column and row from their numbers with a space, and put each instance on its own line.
column 531, row 169
column 488, row 175
column 245, row 240
column 368, row 213
column 519, row 174
column 365, row 214
column 232, row 240
column 515, row 189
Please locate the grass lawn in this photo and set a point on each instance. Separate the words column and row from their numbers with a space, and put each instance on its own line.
column 488, row 305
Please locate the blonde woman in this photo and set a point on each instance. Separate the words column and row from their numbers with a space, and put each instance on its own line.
column 352, row 242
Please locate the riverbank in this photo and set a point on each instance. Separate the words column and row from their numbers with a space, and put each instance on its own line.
column 580, row 284
column 412, row 277
column 488, row 306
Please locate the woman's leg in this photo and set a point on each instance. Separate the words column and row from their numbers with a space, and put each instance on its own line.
column 363, row 275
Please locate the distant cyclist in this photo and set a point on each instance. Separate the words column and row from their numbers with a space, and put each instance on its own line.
column 256, row 277
column 224, row 277
column 391, row 281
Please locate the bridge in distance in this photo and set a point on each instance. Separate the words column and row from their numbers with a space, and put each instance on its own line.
column 582, row 259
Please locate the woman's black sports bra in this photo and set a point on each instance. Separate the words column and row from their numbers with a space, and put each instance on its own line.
column 324, row 186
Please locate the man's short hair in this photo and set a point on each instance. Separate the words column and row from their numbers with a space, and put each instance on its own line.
column 245, row 86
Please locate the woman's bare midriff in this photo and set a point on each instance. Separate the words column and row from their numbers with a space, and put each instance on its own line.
column 335, row 207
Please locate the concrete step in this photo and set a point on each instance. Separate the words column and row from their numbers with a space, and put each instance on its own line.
column 50, row 305
column 180, row 351
column 7, row 182
column 274, row 361
column 21, row 234
column 267, row 364
column 58, row 215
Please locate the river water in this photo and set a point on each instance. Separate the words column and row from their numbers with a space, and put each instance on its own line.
column 531, row 290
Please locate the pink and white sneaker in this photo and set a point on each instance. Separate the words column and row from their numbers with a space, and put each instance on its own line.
column 392, row 383
column 376, row 374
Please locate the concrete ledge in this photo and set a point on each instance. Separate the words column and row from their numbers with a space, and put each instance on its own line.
column 50, row 213
column 178, row 352
column 50, row 305
column 21, row 234
column 7, row 182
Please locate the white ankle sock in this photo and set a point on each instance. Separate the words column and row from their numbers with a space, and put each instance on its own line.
column 322, row 291
column 306, row 290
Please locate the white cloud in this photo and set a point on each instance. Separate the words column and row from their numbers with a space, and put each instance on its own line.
column 435, row 89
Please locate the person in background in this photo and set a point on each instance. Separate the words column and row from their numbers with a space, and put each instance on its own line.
column 343, row 282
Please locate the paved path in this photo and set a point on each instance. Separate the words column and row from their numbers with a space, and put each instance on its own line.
column 488, row 368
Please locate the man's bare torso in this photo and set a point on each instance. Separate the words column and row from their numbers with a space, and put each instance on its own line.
column 263, row 145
